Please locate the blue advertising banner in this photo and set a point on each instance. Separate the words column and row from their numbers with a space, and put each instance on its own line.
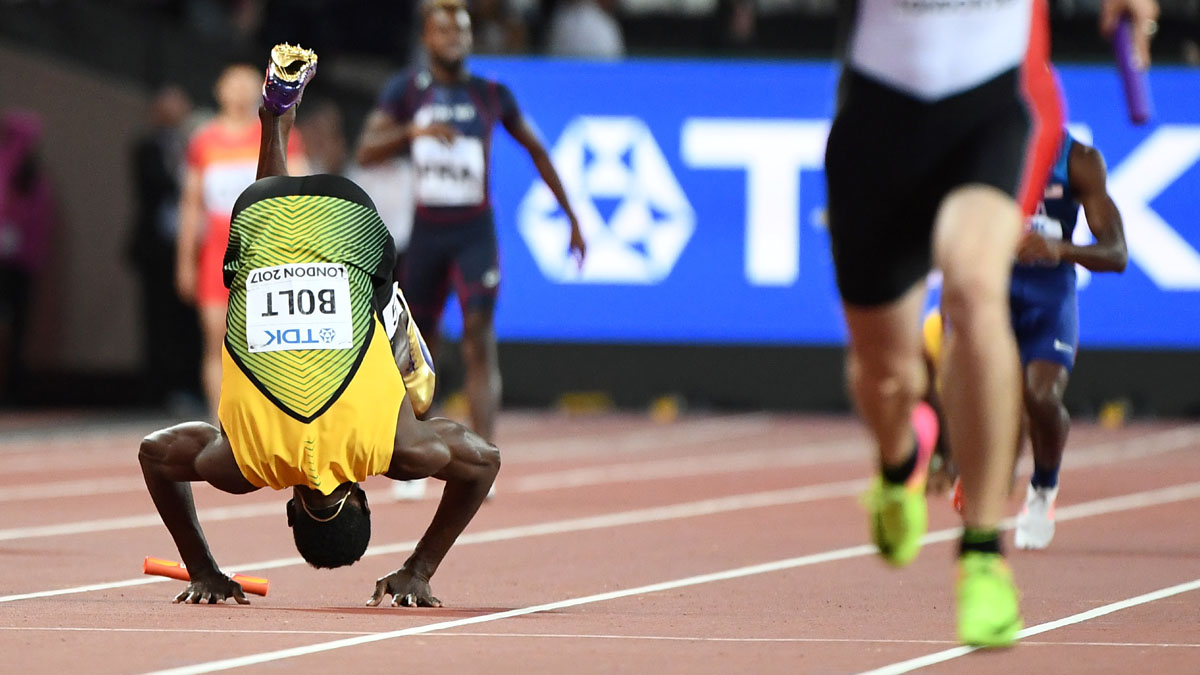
column 700, row 190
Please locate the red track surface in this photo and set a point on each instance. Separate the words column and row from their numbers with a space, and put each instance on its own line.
column 597, row 505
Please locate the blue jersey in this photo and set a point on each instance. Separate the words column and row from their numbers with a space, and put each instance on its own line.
column 1045, row 313
column 1056, row 217
column 452, row 179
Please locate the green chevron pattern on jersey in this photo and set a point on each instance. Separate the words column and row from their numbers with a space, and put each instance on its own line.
column 303, row 229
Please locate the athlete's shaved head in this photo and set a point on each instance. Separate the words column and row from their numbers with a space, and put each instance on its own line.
column 335, row 535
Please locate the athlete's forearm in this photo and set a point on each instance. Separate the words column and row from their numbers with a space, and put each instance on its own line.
column 190, row 217
column 178, row 511
column 1096, row 257
column 380, row 145
column 460, row 501
column 272, row 148
column 550, row 175
column 469, row 476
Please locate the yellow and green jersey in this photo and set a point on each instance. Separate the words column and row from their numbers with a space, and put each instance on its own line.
column 309, row 269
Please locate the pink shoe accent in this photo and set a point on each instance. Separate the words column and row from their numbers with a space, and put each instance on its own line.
column 925, row 428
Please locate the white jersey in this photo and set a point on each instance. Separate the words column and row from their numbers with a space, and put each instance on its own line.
column 932, row 49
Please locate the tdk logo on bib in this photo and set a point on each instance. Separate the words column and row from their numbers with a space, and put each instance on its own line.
column 298, row 306
column 633, row 213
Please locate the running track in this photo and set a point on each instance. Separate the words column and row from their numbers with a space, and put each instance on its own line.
column 713, row 544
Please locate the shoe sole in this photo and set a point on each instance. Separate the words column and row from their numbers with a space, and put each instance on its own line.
column 1005, row 636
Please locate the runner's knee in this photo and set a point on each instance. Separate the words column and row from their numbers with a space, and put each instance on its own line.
column 885, row 375
column 1043, row 402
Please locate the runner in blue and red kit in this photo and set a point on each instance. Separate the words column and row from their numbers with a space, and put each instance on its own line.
column 444, row 118
column 1045, row 314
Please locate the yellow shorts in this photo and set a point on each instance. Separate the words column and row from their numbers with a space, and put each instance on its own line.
column 350, row 441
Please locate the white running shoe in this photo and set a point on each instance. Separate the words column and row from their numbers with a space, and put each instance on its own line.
column 1035, row 523
column 409, row 490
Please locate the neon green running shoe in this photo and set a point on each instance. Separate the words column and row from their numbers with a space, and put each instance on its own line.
column 988, row 615
column 898, row 520
column 898, row 515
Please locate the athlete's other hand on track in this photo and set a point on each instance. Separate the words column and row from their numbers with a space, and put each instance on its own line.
column 1143, row 15
column 212, row 590
column 578, row 245
column 185, row 283
column 442, row 132
column 1037, row 249
column 406, row 589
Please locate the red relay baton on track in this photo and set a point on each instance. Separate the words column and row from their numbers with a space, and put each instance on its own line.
column 174, row 570
column 1136, row 84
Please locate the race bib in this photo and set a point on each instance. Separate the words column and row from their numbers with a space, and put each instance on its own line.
column 449, row 174
column 224, row 183
column 1050, row 228
column 298, row 306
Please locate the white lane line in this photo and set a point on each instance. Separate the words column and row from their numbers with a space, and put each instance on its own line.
column 736, row 573
column 234, row 632
column 71, row 488
column 791, row 455
column 790, row 495
column 690, row 432
column 133, row 522
column 51, row 454
column 817, row 492
column 950, row 654
column 218, row 631
column 704, row 507
column 1125, row 502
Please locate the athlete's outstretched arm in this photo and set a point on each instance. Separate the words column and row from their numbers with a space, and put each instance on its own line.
column 1089, row 182
column 1088, row 178
column 191, row 224
column 170, row 460
column 273, row 143
column 519, row 129
column 383, row 137
column 448, row 451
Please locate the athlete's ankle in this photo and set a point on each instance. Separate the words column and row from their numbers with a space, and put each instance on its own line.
column 1044, row 478
column 979, row 540
column 898, row 474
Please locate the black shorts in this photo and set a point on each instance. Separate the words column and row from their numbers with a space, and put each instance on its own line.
column 890, row 161
column 439, row 256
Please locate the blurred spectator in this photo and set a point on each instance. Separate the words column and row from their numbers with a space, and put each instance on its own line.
column 225, row 19
column 324, row 137
column 1190, row 53
column 585, row 29
column 170, row 341
column 498, row 28
column 737, row 23
column 26, row 217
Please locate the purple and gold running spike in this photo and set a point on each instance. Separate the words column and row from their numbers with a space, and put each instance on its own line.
column 288, row 72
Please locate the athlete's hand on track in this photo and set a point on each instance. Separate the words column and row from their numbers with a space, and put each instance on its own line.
column 406, row 589
column 185, row 283
column 212, row 590
column 1037, row 249
column 1143, row 15
column 443, row 132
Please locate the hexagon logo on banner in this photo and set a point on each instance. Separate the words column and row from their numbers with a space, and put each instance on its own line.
column 633, row 213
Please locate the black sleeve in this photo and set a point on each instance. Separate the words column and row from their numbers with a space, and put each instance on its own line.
column 381, row 278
